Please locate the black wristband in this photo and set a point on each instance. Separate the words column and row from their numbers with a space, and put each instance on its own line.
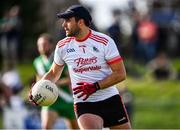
column 96, row 84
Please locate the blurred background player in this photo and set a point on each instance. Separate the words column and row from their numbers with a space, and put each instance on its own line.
column 114, row 31
column 10, row 35
column 64, row 105
column 161, row 68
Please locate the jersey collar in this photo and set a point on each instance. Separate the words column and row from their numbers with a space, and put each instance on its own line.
column 85, row 38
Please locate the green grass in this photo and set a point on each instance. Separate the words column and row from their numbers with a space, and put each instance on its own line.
column 156, row 104
column 26, row 72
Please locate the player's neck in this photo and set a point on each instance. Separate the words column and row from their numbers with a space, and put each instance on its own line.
column 83, row 34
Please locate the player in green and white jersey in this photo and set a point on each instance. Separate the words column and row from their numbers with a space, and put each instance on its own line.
column 64, row 105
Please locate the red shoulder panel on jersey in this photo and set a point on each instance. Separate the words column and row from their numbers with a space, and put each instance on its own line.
column 114, row 60
column 100, row 39
column 64, row 41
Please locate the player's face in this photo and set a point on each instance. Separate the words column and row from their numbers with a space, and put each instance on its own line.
column 44, row 47
column 71, row 27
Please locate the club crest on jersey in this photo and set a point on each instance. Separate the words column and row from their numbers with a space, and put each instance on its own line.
column 70, row 50
column 95, row 49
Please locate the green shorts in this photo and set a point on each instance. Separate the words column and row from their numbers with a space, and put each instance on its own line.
column 63, row 108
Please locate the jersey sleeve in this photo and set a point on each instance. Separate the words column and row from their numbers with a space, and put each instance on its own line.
column 58, row 56
column 39, row 66
column 111, row 52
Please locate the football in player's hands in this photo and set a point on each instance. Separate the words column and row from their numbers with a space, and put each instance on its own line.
column 43, row 93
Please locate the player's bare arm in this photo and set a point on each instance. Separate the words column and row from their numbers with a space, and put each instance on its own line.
column 54, row 73
column 118, row 75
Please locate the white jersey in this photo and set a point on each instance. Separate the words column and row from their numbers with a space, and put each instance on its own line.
column 88, row 61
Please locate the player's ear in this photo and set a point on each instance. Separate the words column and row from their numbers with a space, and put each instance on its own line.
column 81, row 22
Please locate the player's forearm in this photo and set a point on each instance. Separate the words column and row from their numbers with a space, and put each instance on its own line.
column 112, row 79
column 54, row 73
column 50, row 76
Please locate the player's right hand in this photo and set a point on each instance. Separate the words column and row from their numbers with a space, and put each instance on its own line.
column 31, row 97
column 86, row 89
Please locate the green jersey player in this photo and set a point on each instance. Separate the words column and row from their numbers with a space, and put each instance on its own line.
column 64, row 105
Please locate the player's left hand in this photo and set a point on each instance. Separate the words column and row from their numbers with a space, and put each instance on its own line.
column 86, row 89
